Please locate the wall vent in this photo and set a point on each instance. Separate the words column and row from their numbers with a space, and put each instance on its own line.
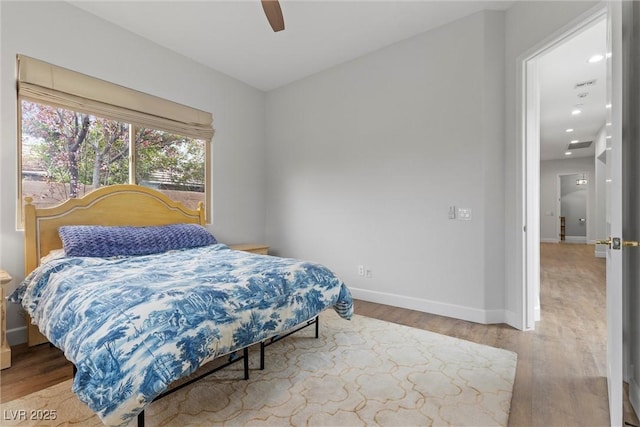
column 582, row 144
column 586, row 83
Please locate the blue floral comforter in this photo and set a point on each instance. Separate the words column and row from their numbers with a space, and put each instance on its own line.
column 133, row 325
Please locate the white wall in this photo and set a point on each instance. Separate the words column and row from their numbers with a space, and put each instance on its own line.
column 67, row 36
column 528, row 26
column 549, row 171
column 364, row 159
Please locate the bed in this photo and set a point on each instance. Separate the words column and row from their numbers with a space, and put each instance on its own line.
column 135, row 320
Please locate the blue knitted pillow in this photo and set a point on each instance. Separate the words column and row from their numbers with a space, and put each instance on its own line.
column 106, row 241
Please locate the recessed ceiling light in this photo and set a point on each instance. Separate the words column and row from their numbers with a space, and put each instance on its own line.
column 608, row 123
column 608, row 106
column 567, row 153
column 575, row 141
column 608, row 54
column 596, row 58
column 576, row 112
column 569, row 130
column 608, row 136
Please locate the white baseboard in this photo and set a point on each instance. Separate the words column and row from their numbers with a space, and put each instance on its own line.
column 17, row 335
column 432, row 307
column 549, row 240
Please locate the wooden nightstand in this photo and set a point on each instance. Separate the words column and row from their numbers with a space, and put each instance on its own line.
column 5, row 350
column 254, row 248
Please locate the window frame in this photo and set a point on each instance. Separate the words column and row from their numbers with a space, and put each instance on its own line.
column 43, row 83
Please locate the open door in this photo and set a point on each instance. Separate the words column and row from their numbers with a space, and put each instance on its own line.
column 615, row 179
column 622, row 157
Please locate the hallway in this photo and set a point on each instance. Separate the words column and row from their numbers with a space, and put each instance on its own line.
column 570, row 342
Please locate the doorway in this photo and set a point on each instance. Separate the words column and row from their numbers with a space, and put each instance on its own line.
column 565, row 128
column 623, row 69
column 572, row 207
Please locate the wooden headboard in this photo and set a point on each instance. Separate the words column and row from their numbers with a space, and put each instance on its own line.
column 132, row 205
column 126, row 204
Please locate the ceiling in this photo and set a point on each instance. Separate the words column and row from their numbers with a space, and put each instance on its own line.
column 559, row 71
column 235, row 38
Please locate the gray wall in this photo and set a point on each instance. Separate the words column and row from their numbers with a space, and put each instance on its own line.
column 69, row 37
column 364, row 160
column 370, row 154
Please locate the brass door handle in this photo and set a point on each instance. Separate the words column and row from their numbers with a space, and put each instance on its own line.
column 616, row 243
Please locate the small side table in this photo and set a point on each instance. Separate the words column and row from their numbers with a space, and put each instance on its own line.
column 254, row 248
column 5, row 350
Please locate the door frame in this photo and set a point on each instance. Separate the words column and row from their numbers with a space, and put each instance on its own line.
column 527, row 89
column 530, row 145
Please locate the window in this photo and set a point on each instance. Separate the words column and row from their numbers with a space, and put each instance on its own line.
column 84, row 137
column 171, row 162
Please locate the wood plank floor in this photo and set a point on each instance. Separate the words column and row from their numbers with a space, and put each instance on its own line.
column 561, row 374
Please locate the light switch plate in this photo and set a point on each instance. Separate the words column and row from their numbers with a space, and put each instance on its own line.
column 452, row 212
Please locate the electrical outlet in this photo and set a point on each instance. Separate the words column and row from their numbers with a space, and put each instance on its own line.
column 464, row 214
column 361, row 270
column 367, row 273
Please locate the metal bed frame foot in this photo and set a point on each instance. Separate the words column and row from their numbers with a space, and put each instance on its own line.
column 269, row 341
column 245, row 356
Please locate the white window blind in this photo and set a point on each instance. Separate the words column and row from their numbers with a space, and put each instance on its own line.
column 46, row 83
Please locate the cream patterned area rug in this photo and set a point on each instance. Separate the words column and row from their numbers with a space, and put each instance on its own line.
column 363, row 372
